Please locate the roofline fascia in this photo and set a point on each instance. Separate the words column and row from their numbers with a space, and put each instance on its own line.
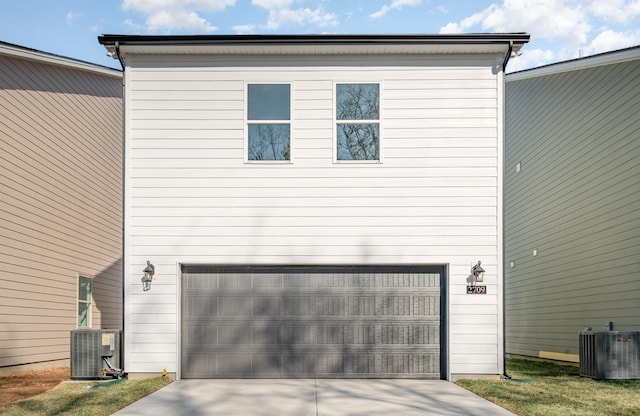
column 605, row 58
column 17, row 51
column 479, row 38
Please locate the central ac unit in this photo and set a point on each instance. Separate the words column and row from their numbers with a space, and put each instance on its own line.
column 96, row 354
column 609, row 355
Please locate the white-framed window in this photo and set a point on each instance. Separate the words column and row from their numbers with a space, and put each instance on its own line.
column 357, row 122
column 84, row 301
column 268, row 117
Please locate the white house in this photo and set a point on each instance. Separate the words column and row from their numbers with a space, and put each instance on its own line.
column 312, row 206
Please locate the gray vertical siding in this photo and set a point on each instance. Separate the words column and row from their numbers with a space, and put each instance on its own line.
column 576, row 200
column 60, row 204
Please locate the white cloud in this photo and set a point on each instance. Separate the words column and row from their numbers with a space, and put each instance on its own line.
column 451, row 28
column 610, row 40
column 395, row 4
column 562, row 26
column 168, row 15
column 565, row 21
column 245, row 29
column 617, row 11
column 132, row 25
column 190, row 21
column 468, row 22
column 71, row 16
column 152, row 6
column 281, row 14
column 272, row 4
column 285, row 17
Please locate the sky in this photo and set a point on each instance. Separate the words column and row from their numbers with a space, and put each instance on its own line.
column 559, row 29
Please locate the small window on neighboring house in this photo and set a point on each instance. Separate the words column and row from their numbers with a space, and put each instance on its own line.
column 268, row 122
column 357, row 122
column 84, row 302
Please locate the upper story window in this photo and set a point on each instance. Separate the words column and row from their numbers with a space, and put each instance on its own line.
column 358, row 122
column 268, row 122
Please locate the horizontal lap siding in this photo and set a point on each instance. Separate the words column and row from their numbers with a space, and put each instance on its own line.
column 191, row 199
column 61, row 205
column 575, row 200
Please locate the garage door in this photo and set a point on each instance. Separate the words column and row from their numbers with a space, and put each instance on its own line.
column 323, row 322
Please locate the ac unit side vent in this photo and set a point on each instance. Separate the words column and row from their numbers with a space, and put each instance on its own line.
column 610, row 355
column 89, row 348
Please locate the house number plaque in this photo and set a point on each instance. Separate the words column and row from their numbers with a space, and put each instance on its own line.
column 476, row 290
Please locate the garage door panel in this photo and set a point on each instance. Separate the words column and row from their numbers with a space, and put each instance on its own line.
column 233, row 364
column 301, row 322
column 199, row 335
column 297, row 336
column 320, row 304
column 267, row 280
column 359, row 334
column 265, row 306
column 234, row 281
column 360, row 364
column 330, row 335
column 232, row 306
column 423, row 364
column 199, row 306
column 300, row 365
column 266, row 335
column 298, row 306
column 201, row 364
column 271, row 333
column 265, row 364
column 233, row 335
column 328, row 306
column 426, row 334
column 329, row 364
column 426, row 305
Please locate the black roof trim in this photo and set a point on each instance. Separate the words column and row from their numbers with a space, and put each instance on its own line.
column 53, row 55
column 467, row 38
column 584, row 58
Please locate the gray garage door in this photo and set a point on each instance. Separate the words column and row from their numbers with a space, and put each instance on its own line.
column 324, row 322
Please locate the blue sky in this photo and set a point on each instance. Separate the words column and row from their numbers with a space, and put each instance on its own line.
column 560, row 29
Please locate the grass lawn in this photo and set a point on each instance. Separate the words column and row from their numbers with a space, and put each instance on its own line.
column 77, row 400
column 546, row 388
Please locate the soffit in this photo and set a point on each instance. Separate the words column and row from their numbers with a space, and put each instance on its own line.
column 310, row 49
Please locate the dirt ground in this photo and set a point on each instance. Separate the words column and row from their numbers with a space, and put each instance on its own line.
column 24, row 384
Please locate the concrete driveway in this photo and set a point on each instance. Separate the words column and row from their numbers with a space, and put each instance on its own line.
column 313, row 398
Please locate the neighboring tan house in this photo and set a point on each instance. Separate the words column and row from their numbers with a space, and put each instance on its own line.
column 572, row 202
column 60, row 204
column 313, row 205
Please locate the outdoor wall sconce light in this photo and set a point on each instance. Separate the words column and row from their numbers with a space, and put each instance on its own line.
column 478, row 272
column 149, row 271
column 477, row 275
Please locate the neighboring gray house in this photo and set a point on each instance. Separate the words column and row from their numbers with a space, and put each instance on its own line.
column 314, row 205
column 60, row 204
column 572, row 202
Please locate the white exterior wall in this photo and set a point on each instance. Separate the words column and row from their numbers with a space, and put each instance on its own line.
column 435, row 198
